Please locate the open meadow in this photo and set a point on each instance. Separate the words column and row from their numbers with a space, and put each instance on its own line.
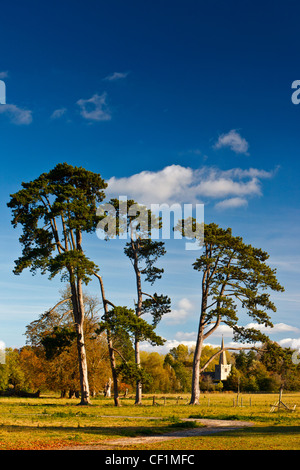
column 49, row 422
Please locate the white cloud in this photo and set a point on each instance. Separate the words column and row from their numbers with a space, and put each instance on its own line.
column 234, row 141
column 2, row 352
column 179, row 315
column 178, row 184
column 227, row 331
column 153, row 187
column 277, row 328
column 293, row 343
column 16, row 115
column 95, row 108
column 184, row 336
column 232, row 203
column 189, row 338
column 58, row 113
column 113, row 77
column 223, row 330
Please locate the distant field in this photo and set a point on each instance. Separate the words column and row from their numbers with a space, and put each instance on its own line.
column 50, row 422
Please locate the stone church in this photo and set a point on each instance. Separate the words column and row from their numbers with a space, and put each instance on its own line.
column 222, row 370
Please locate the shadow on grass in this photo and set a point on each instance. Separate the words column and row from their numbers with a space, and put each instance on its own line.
column 105, row 432
column 261, row 431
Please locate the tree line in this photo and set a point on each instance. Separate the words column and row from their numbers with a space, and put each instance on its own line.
column 59, row 209
column 32, row 370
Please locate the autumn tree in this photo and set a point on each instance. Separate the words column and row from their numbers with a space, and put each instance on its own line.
column 55, row 210
column 162, row 377
column 34, row 368
column 234, row 278
column 180, row 359
column 53, row 337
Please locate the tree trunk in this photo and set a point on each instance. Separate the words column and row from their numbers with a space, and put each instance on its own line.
column 83, row 373
column 138, row 310
column 108, row 389
column 78, row 313
column 195, row 396
column 110, row 345
column 138, row 391
column 113, row 369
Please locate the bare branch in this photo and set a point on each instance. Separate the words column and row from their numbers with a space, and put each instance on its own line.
column 104, row 300
column 58, row 303
column 151, row 296
column 65, row 232
column 120, row 354
column 217, row 323
column 229, row 349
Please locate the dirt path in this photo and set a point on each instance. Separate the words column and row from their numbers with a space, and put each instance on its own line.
column 210, row 426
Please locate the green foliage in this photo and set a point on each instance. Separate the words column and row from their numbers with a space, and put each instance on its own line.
column 181, row 361
column 52, row 357
column 118, row 217
column 264, row 371
column 238, row 273
column 121, row 319
column 147, row 251
column 156, row 306
column 11, row 373
column 235, row 275
column 131, row 373
column 53, row 210
column 4, row 377
column 162, row 376
column 76, row 261
column 57, row 341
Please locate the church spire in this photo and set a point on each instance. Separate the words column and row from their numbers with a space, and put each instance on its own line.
column 222, row 359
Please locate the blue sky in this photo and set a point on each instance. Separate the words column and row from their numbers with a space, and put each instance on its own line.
column 169, row 101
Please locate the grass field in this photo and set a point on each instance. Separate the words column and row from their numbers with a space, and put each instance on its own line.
column 51, row 423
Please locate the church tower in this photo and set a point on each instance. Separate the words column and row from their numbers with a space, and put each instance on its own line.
column 222, row 370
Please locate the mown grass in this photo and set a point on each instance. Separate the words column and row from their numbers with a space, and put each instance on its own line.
column 49, row 422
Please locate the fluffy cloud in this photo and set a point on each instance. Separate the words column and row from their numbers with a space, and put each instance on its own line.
column 176, row 183
column 58, row 113
column 95, row 108
column 149, row 187
column 277, row 328
column 179, row 315
column 232, row 203
column 189, row 338
column 226, row 331
column 113, row 77
column 293, row 343
column 234, row 141
column 16, row 115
